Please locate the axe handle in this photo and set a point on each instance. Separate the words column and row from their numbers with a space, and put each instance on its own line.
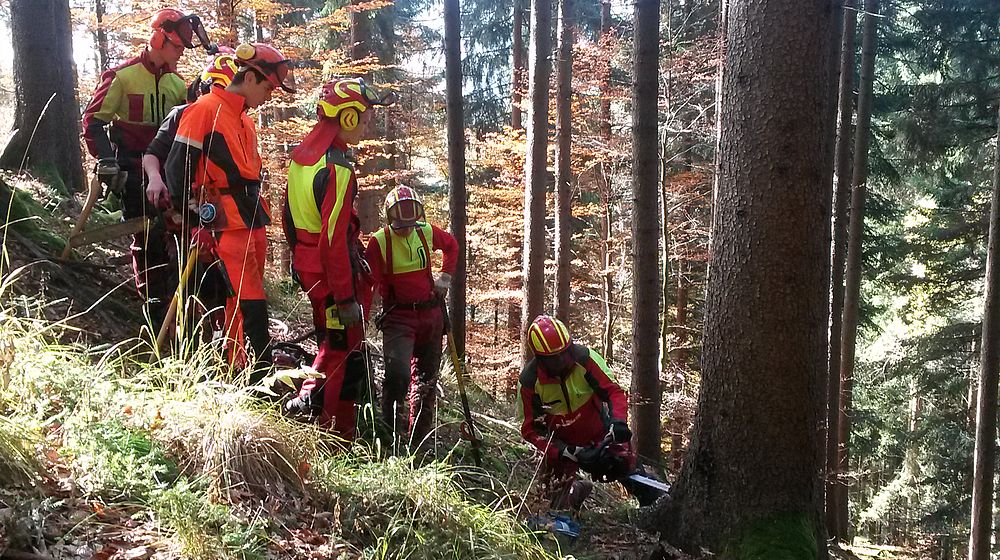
column 168, row 320
column 88, row 207
column 460, row 376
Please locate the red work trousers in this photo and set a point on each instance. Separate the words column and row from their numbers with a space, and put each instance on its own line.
column 243, row 252
column 411, row 342
column 344, row 376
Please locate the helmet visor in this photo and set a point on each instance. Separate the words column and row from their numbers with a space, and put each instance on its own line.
column 278, row 73
column 374, row 97
column 405, row 213
column 186, row 30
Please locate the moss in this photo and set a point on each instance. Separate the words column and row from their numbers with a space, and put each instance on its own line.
column 783, row 536
column 25, row 217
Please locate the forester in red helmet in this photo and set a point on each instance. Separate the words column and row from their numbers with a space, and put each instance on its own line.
column 412, row 318
column 213, row 173
column 131, row 101
column 576, row 414
column 323, row 230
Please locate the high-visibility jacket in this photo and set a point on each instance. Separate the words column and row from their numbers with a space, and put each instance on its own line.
column 407, row 278
column 134, row 98
column 321, row 223
column 575, row 408
column 214, row 159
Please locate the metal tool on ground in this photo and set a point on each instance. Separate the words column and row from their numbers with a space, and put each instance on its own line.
column 650, row 482
column 468, row 428
column 171, row 316
column 92, row 195
column 121, row 229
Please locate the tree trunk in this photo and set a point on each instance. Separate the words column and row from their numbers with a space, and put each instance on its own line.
column 852, row 287
column 361, row 32
column 605, row 190
column 517, row 79
column 564, row 172
column 751, row 483
column 102, row 37
column 720, row 74
column 46, row 115
column 645, row 389
column 665, row 253
column 984, row 466
column 226, row 10
column 841, row 196
column 680, row 355
column 456, row 166
column 535, row 164
column 606, row 78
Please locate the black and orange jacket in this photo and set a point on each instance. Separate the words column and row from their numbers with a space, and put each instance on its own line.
column 576, row 408
column 133, row 98
column 321, row 223
column 214, row 159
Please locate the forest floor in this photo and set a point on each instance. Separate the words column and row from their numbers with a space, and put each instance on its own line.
column 106, row 456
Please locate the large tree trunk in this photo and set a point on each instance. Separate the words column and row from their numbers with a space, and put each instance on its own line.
column 645, row 389
column 852, row 287
column 605, row 190
column 984, row 466
column 46, row 115
column 841, row 198
column 456, row 165
column 535, row 164
column 751, row 483
column 517, row 77
column 564, row 172
column 226, row 11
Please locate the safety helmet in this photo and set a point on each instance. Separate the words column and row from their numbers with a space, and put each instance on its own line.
column 172, row 25
column 403, row 208
column 548, row 336
column 268, row 61
column 346, row 98
column 220, row 71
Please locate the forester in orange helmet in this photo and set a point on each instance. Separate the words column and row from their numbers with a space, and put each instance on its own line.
column 576, row 414
column 323, row 229
column 213, row 174
column 121, row 119
column 412, row 318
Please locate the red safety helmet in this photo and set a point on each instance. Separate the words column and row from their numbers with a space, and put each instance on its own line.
column 403, row 208
column 346, row 98
column 172, row 25
column 220, row 71
column 548, row 336
column 268, row 61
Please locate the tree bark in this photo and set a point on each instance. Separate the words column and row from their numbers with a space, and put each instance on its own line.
column 226, row 10
column 361, row 32
column 852, row 286
column 645, row 390
column 539, row 70
column 517, row 78
column 46, row 115
column 841, row 197
column 605, row 123
column 984, row 466
column 605, row 192
column 751, row 483
column 456, row 166
column 564, row 171
column 102, row 37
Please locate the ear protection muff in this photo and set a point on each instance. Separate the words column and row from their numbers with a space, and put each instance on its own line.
column 349, row 118
column 158, row 39
column 245, row 51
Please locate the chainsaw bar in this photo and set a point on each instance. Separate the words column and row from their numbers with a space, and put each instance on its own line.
column 651, row 482
column 135, row 225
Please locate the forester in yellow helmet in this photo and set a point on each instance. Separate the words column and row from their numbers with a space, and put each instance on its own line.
column 121, row 119
column 576, row 414
column 323, row 229
column 412, row 320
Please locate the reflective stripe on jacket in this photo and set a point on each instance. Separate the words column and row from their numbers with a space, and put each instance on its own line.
column 134, row 98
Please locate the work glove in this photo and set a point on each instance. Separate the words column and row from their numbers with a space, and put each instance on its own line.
column 587, row 456
column 570, row 452
column 619, row 432
column 349, row 313
column 206, row 243
column 156, row 193
column 442, row 283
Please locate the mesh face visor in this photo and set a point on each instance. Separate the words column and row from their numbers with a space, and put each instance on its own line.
column 187, row 29
column 405, row 213
column 279, row 73
column 376, row 98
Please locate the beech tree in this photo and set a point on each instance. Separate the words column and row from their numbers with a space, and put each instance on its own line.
column 751, row 482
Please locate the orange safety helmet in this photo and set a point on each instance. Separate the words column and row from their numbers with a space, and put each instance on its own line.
column 403, row 208
column 172, row 25
column 268, row 61
column 346, row 98
column 548, row 336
